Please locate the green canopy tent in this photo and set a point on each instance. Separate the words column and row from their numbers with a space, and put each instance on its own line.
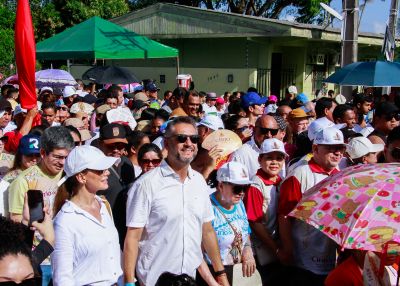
column 97, row 38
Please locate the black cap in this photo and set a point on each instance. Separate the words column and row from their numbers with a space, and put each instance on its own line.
column 385, row 108
column 90, row 98
column 113, row 133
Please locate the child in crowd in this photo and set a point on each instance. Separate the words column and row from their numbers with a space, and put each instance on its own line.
column 261, row 201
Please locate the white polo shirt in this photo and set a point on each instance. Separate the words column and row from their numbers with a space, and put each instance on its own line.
column 248, row 156
column 172, row 215
column 86, row 251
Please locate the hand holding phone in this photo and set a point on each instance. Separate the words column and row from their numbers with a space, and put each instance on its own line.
column 36, row 205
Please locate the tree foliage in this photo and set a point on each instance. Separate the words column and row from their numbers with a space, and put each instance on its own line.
column 304, row 11
column 53, row 16
column 50, row 17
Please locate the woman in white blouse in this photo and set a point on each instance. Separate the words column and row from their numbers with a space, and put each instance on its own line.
column 87, row 250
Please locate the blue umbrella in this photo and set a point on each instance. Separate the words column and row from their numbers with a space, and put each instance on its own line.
column 379, row 73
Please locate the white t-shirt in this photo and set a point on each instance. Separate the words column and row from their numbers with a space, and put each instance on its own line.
column 172, row 215
column 209, row 109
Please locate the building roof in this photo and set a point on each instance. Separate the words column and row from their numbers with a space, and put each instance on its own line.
column 171, row 21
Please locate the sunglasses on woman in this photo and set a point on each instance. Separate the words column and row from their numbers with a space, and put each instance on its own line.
column 265, row 131
column 155, row 162
column 239, row 189
column 64, row 108
column 182, row 138
column 390, row 116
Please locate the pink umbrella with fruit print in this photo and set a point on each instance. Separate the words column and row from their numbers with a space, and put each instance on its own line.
column 359, row 207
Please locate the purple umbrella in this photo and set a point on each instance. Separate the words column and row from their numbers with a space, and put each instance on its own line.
column 54, row 78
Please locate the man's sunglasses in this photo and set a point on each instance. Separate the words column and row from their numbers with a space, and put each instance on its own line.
column 182, row 138
column 390, row 116
column 36, row 281
column 155, row 162
column 335, row 148
column 265, row 131
column 238, row 189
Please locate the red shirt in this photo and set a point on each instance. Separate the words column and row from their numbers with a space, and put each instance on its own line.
column 254, row 199
column 348, row 273
column 290, row 191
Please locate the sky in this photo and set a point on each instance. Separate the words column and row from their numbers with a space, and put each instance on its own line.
column 375, row 16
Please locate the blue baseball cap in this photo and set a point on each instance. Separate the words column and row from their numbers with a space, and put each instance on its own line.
column 29, row 144
column 252, row 98
column 303, row 98
column 151, row 86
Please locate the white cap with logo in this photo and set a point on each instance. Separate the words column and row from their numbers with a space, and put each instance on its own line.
column 233, row 172
column 361, row 146
column 272, row 145
column 318, row 125
column 212, row 121
column 329, row 136
column 86, row 157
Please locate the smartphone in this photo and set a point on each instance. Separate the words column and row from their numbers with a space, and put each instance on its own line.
column 35, row 203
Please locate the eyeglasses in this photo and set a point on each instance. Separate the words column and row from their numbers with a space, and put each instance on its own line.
column 238, row 189
column 334, row 148
column 36, row 155
column 265, row 131
column 36, row 281
column 98, row 172
column 118, row 145
column 390, row 116
column 62, row 108
column 241, row 129
column 395, row 153
column 155, row 162
column 182, row 138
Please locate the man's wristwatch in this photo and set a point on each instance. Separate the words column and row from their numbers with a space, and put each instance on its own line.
column 219, row 273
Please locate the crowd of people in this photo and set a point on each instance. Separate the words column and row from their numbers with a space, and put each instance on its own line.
column 132, row 198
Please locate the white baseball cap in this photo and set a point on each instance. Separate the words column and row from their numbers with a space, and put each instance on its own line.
column 361, row 146
column 86, row 157
column 68, row 91
column 292, row 89
column 318, row 125
column 46, row 88
column 212, row 121
column 272, row 145
column 233, row 172
column 329, row 136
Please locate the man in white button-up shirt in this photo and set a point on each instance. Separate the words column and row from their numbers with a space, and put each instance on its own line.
column 169, row 214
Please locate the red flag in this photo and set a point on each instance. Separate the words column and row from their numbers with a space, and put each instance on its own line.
column 25, row 53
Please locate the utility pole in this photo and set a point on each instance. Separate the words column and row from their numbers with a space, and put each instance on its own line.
column 394, row 6
column 350, row 38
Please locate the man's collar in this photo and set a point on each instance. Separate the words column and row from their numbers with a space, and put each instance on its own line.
column 166, row 170
column 253, row 144
column 315, row 168
column 265, row 178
